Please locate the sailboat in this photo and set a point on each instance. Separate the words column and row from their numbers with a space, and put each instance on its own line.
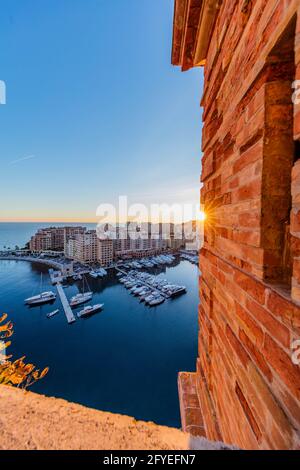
column 81, row 298
column 42, row 298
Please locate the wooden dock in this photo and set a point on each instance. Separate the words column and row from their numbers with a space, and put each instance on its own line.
column 65, row 303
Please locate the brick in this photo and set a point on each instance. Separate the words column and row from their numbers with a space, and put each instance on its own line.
column 296, row 269
column 250, row 285
column 249, row 220
column 254, row 331
column 248, row 237
column 237, row 346
column 256, row 355
column 297, row 124
column 282, row 364
column 249, row 156
column 266, row 404
column 295, row 220
column 248, row 412
column 248, row 191
column 275, row 328
column 280, row 307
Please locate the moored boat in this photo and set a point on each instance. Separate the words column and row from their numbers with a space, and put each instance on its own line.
column 93, row 274
column 79, row 299
column 42, row 298
column 178, row 291
column 89, row 310
column 156, row 301
column 51, row 314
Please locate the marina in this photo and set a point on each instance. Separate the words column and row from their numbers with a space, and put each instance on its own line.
column 122, row 343
column 141, row 284
column 190, row 256
column 148, row 288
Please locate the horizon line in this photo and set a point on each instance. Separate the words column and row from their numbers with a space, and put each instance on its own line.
column 61, row 221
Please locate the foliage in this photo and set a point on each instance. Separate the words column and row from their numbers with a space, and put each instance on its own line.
column 15, row 373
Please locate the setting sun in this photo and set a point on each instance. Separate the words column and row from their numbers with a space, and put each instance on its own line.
column 201, row 216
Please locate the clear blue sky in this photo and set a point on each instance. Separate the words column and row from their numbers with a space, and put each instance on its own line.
column 94, row 108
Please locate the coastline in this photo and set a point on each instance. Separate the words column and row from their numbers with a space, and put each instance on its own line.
column 52, row 264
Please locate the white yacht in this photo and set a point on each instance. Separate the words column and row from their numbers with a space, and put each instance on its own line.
column 79, row 299
column 144, row 294
column 90, row 309
column 138, row 290
column 42, row 298
column 156, row 301
column 178, row 290
column 149, row 297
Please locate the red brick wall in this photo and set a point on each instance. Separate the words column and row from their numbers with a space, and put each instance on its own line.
column 248, row 386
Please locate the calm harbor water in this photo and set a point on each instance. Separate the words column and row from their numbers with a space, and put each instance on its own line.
column 124, row 359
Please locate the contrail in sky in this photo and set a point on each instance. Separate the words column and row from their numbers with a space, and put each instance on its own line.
column 29, row 157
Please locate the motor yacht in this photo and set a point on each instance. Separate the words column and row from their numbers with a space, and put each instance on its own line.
column 89, row 310
column 156, row 301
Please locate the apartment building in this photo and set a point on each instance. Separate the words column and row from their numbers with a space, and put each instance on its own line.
column 53, row 238
column 70, row 248
column 85, row 249
column 70, row 233
column 105, row 249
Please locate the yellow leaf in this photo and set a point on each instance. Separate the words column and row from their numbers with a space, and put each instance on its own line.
column 4, row 345
column 44, row 372
column 3, row 318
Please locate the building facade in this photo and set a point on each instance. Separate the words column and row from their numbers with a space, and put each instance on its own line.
column 105, row 251
column 86, row 247
column 70, row 233
column 70, row 248
column 246, row 389
column 53, row 238
column 139, row 240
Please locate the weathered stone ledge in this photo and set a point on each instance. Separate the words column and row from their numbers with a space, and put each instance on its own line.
column 31, row 421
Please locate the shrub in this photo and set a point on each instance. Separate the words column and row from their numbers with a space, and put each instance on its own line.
column 15, row 373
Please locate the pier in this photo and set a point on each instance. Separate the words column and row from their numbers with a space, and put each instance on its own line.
column 65, row 303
